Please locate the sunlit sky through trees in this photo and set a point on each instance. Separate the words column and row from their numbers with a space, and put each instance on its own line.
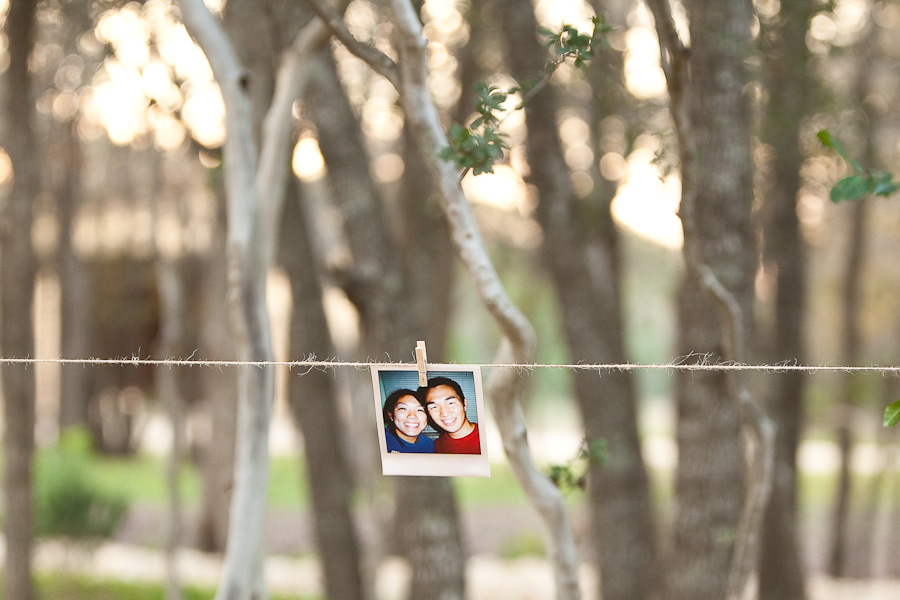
column 157, row 85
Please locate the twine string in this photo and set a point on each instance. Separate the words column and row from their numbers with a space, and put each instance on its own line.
column 687, row 363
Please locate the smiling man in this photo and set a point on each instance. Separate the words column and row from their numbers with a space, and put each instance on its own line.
column 446, row 407
column 405, row 419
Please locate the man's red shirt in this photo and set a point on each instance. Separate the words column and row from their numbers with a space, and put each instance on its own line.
column 470, row 444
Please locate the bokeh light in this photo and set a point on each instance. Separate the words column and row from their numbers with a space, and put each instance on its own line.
column 307, row 160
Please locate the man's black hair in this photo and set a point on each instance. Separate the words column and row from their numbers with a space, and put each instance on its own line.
column 436, row 381
column 390, row 404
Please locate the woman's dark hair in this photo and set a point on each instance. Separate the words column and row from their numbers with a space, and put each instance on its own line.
column 391, row 403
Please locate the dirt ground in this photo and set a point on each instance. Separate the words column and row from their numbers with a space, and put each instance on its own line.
column 491, row 534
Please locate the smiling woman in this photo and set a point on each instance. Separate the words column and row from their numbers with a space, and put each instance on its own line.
column 405, row 421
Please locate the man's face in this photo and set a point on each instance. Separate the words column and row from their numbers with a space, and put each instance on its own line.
column 446, row 408
column 409, row 418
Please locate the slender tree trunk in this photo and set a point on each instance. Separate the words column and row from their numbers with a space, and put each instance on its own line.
column 787, row 57
column 17, row 274
column 172, row 311
column 247, row 270
column 409, row 77
column 378, row 286
column 220, row 397
column 575, row 239
column 429, row 268
column 504, row 386
column 313, row 400
column 850, row 345
column 428, row 254
column 74, row 288
column 255, row 190
column 863, row 540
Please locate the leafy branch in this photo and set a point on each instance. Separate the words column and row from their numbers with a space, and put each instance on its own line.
column 478, row 146
column 573, row 474
column 861, row 183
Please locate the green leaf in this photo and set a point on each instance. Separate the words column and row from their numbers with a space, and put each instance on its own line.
column 829, row 141
column 852, row 187
column 892, row 414
column 883, row 183
column 458, row 133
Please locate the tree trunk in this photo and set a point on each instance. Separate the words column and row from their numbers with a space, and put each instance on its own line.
column 247, row 270
column 709, row 477
column 378, row 286
column 504, row 386
column 436, row 531
column 172, row 310
column 220, row 397
column 581, row 254
column 17, row 274
column 255, row 194
column 314, row 404
column 716, row 528
column 787, row 57
column 851, row 345
column 74, row 280
column 850, row 349
column 409, row 77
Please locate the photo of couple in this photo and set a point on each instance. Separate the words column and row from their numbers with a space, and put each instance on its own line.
column 442, row 405
column 430, row 429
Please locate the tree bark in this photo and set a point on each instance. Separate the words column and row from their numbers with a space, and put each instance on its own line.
column 247, row 271
column 314, row 405
column 517, row 345
column 436, row 531
column 787, row 57
column 17, row 274
column 172, row 309
column 504, row 386
column 220, row 395
column 580, row 252
column 716, row 529
column 380, row 289
column 75, row 322
column 850, row 350
column 851, row 343
column 255, row 191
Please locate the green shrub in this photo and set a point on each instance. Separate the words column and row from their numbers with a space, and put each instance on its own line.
column 525, row 544
column 69, row 501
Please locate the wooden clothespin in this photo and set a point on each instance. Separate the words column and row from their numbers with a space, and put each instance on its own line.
column 421, row 361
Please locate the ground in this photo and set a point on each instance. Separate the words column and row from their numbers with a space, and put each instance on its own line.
column 500, row 567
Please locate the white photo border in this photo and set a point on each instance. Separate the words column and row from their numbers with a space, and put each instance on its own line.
column 440, row 465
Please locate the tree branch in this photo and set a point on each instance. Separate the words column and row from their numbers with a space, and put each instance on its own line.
column 380, row 62
column 504, row 386
column 671, row 49
column 275, row 153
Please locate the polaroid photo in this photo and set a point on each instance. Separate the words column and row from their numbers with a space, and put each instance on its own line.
column 437, row 429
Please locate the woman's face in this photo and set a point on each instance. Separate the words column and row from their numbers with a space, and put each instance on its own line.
column 409, row 418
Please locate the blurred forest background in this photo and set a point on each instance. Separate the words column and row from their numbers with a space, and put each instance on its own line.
column 278, row 195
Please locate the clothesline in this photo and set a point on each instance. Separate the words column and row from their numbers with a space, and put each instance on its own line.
column 697, row 363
